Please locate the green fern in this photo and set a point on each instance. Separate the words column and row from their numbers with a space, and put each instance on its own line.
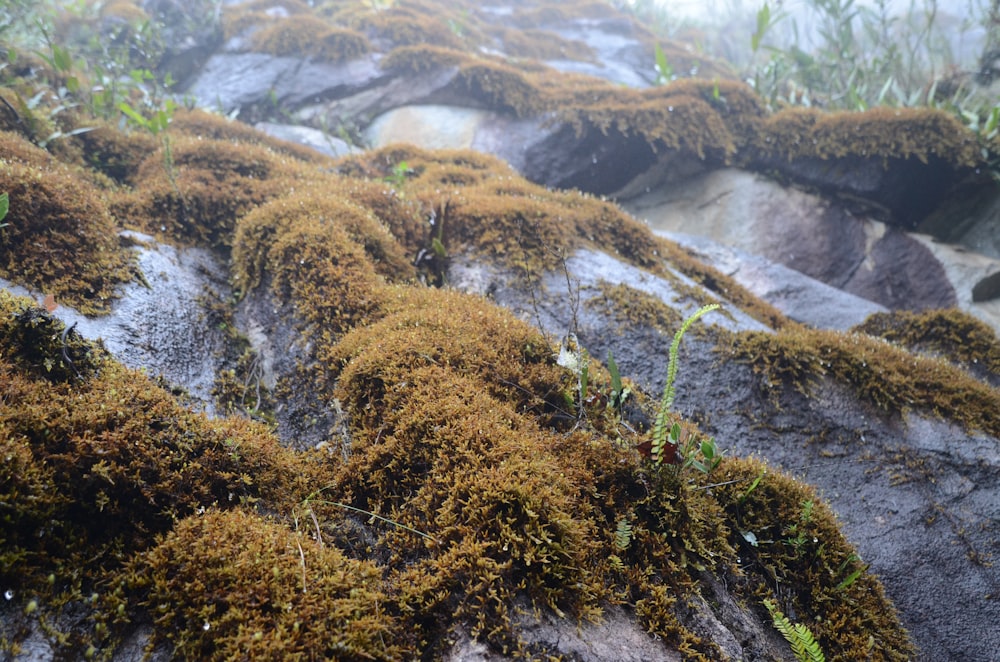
column 623, row 534
column 804, row 645
column 660, row 430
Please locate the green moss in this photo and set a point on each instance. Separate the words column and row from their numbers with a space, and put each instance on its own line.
column 892, row 379
column 951, row 334
column 60, row 237
column 233, row 584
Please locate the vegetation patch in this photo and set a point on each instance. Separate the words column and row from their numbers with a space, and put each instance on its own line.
column 951, row 334
column 890, row 378
column 59, row 237
column 302, row 35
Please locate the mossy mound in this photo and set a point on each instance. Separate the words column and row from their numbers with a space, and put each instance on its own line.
column 950, row 334
column 60, row 237
column 884, row 375
column 302, row 35
column 102, row 460
column 193, row 189
column 232, row 584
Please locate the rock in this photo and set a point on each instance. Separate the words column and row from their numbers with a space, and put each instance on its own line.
column 167, row 326
column 816, row 237
column 321, row 141
column 801, row 298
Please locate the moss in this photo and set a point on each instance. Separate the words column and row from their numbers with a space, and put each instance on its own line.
column 951, row 334
column 60, row 237
column 544, row 45
column 636, row 307
column 199, row 123
column 258, row 590
column 421, row 57
column 879, row 133
column 124, row 10
column 302, row 35
column 501, row 87
column 807, row 561
column 889, row 378
column 209, row 185
column 111, row 459
column 113, row 152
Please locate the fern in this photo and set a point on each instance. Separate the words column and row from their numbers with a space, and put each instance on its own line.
column 667, row 401
column 623, row 534
column 804, row 645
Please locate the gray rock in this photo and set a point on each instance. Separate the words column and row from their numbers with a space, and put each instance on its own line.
column 166, row 328
column 321, row 141
column 798, row 296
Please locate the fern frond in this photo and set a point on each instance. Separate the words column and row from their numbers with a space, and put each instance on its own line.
column 667, row 400
column 801, row 639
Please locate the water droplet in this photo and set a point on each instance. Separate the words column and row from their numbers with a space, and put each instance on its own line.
column 206, row 627
column 9, row 594
column 670, row 109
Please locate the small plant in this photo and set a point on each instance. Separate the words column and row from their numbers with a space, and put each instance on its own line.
column 804, row 645
column 664, row 72
column 661, row 435
column 4, row 207
column 399, row 173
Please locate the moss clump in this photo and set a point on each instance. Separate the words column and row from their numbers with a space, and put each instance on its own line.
column 879, row 133
column 115, row 153
column 302, row 35
column 892, row 379
column 201, row 124
column 328, row 256
column 232, row 584
column 951, row 334
column 501, row 87
column 544, row 45
column 808, row 563
column 636, row 307
column 197, row 196
column 106, row 460
column 421, row 57
column 60, row 237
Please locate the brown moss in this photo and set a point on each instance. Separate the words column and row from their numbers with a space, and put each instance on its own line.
column 501, row 87
column 807, row 559
column 60, row 237
column 113, row 152
column 199, row 123
column 303, row 35
column 684, row 123
column 209, row 184
column 111, row 458
column 544, row 45
column 228, row 585
column 951, row 334
column 635, row 307
column 879, row 373
column 124, row 10
column 421, row 57
column 880, row 133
